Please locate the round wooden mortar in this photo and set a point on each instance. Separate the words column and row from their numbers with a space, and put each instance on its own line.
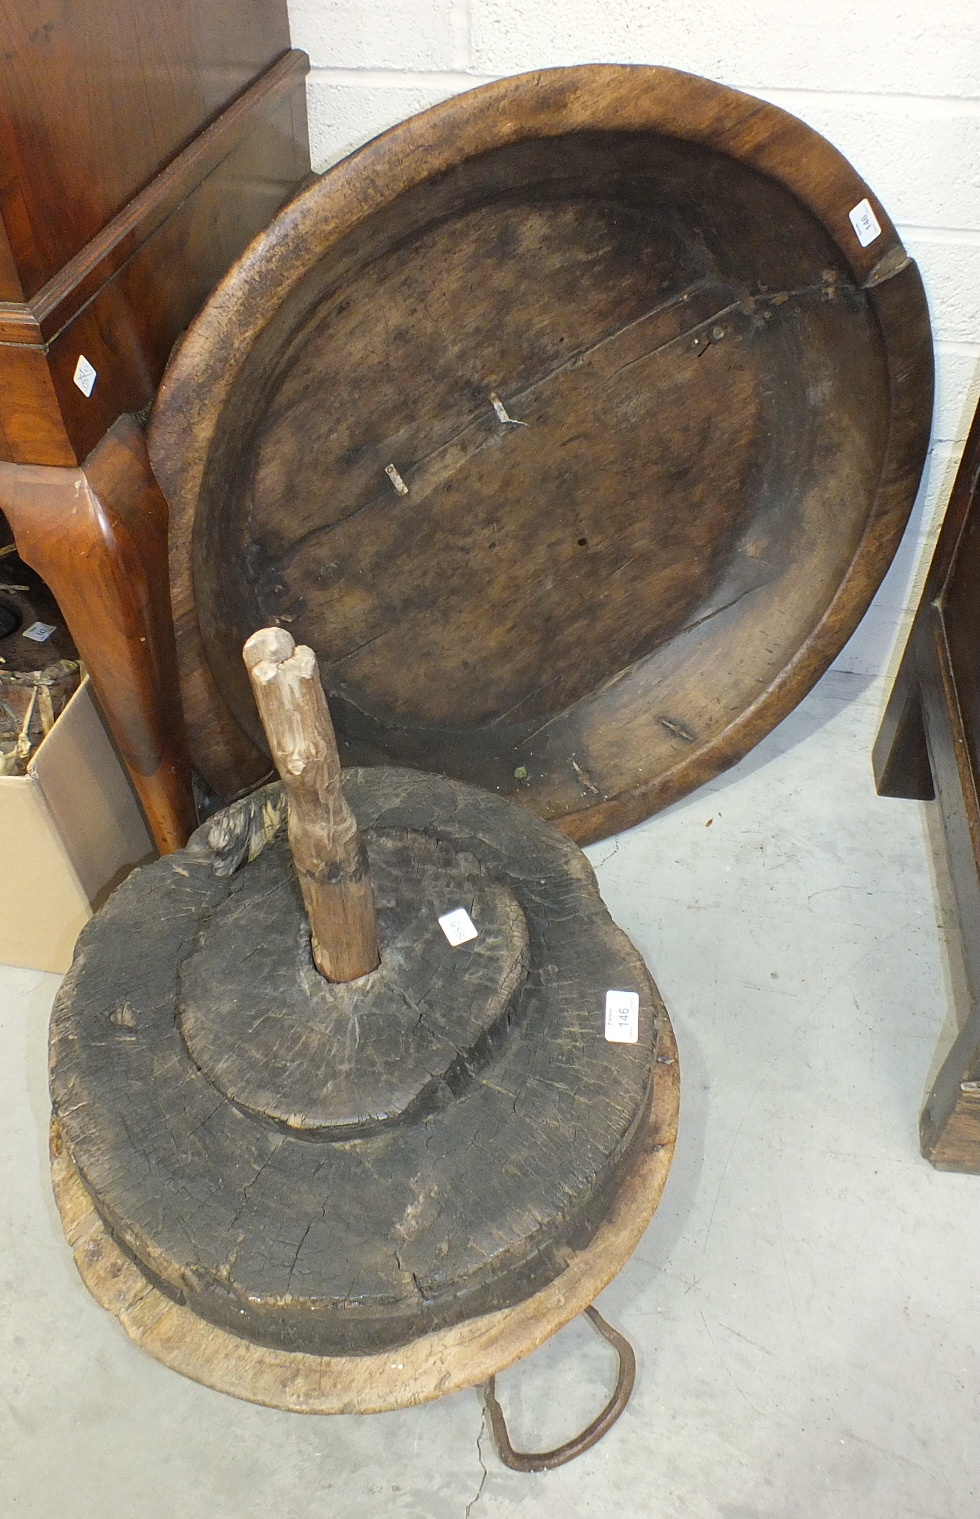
column 429, row 1367
column 357, row 1196
column 573, row 423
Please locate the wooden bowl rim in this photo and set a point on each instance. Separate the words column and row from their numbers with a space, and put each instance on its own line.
column 552, row 103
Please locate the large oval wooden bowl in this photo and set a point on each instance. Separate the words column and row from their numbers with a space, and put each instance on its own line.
column 725, row 397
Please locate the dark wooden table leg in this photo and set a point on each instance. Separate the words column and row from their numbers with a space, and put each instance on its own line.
column 98, row 536
column 901, row 755
column 949, row 1126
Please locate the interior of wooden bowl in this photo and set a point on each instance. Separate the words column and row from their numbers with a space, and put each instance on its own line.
column 560, row 460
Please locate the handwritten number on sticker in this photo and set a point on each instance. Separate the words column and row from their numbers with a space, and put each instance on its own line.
column 85, row 375
column 458, row 926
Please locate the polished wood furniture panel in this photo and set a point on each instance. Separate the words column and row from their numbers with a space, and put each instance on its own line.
column 125, row 297
column 929, row 746
column 98, row 96
column 141, row 148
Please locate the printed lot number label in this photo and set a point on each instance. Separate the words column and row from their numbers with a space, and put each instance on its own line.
column 623, row 1017
column 865, row 223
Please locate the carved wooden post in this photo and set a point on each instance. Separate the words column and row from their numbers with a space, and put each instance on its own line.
column 328, row 851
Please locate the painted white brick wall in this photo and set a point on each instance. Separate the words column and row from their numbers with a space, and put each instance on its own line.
column 894, row 84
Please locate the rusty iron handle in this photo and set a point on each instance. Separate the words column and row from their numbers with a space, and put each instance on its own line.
column 544, row 1460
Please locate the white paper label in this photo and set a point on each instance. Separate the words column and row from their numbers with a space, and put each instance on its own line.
column 458, row 926
column 623, row 1017
column 865, row 223
column 85, row 375
column 396, row 480
column 503, row 415
column 40, row 631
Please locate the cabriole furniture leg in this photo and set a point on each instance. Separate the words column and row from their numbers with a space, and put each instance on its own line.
column 98, row 536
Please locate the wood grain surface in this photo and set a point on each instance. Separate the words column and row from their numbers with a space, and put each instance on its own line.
column 323, row 1172
column 657, row 416
column 346, row 1057
column 173, row 68
column 119, row 214
column 429, row 1367
column 329, row 856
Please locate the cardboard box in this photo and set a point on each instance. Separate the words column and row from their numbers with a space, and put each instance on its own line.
column 70, row 830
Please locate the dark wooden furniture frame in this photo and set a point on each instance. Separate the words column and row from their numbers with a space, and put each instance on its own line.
column 929, row 747
column 141, row 148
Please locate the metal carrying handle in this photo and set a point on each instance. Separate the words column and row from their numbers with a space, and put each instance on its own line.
column 544, row 1460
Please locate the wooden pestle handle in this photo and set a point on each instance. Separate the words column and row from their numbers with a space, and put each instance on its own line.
column 328, row 850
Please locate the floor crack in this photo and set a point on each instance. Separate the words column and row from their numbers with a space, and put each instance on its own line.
column 483, row 1466
column 606, row 858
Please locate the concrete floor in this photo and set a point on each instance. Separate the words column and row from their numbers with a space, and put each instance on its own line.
column 804, row 1304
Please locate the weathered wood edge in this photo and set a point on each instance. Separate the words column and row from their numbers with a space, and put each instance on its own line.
column 431, row 1367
